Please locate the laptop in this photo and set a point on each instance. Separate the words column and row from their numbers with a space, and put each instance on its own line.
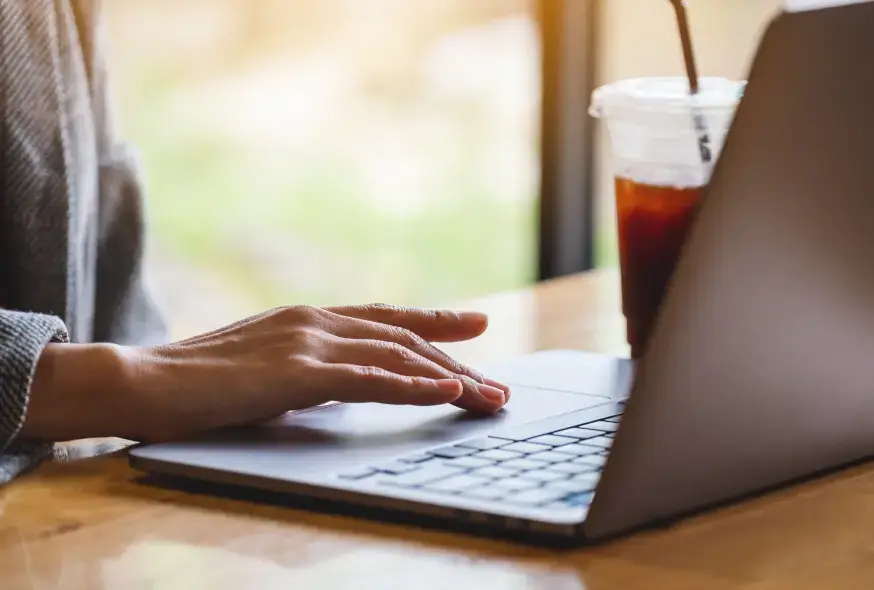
column 760, row 369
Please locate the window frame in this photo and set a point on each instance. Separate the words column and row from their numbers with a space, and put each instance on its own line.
column 568, row 32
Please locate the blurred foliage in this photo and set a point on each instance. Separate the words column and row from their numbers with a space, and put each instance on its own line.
column 331, row 151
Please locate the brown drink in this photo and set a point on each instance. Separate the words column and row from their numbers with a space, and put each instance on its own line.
column 659, row 174
column 653, row 221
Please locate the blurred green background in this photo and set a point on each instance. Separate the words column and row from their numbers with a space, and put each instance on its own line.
column 331, row 152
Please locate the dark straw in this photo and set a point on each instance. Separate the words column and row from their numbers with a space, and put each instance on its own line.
column 692, row 73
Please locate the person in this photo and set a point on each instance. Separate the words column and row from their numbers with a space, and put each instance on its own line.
column 82, row 344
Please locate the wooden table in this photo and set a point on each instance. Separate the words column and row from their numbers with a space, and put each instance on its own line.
column 88, row 523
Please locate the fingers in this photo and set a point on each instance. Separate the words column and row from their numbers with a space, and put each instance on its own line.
column 354, row 383
column 401, row 360
column 358, row 328
column 435, row 325
column 416, row 328
column 390, row 354
column 476, row 387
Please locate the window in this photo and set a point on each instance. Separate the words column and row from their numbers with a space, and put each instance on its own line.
column 331, row 151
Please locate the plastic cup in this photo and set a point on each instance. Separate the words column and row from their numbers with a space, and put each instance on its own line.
column 659, row 174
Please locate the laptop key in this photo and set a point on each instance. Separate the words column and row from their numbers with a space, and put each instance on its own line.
column 397, row 468
column 579, row 449
column 580, row 433
column 421, row 476
column 469, row 462
column 525, row 447
column 498, row 455
column 522, row 464
column 614, row 419
column 571, row 468
column 539, row 427
column 587, row 477
column 549, row 457
column 516, row 484
column 483, row 444
column 434, row 461
column 486, row 492
column 455, row 484
column 452, row 452
column 579, row 499
column 604, row 425
column 494, row 472
column 543, row 475
column 552, row 440
column 536, row 497
column 597, row 461
column 419, row 458
column 574, row 486
column 601, row 441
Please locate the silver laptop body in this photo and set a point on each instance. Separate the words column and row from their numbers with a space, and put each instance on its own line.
column 760, row 370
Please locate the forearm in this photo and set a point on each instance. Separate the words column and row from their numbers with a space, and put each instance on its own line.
column 78, row 392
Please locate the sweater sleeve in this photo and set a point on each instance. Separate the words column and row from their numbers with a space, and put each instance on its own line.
column 23, row 336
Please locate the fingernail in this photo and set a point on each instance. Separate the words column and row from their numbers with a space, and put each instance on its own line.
column 493, row 383
column 473, row 317
column 453, row 385
column 493, row 394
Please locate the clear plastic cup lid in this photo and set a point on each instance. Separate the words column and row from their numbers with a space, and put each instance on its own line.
column 664, row 96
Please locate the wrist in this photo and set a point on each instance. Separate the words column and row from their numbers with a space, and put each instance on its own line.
column 79, row 391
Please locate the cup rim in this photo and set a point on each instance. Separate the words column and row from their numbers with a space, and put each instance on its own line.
column 665, row 96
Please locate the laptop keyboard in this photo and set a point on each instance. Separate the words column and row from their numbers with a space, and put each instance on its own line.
column 550, row 469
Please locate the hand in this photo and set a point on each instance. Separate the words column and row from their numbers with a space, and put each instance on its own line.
column 298, row 357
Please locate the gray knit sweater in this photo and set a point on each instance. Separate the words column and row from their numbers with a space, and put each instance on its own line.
column 71, row 229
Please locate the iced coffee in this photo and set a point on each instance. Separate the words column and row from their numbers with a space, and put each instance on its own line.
column 659, row 175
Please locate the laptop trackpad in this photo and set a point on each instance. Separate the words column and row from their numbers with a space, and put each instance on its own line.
column 301, row 446
column 367, row 425
column 568, row 370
